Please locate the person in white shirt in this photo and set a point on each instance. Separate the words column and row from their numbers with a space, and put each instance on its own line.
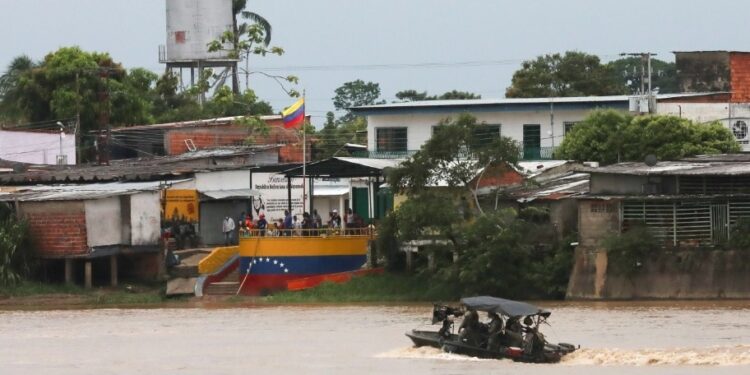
column 228, row 228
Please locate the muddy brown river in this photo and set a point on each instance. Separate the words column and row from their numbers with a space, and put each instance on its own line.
column 616, row 338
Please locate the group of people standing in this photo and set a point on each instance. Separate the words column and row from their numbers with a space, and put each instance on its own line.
column 310, row 225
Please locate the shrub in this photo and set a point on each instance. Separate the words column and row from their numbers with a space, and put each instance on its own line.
column 627, row 251
column 14, row 262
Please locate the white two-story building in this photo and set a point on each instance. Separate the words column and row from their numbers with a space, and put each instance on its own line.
column 538, row 124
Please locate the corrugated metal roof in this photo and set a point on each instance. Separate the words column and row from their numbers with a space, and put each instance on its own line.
column 674, row 168
column 79, row 192
column 330, row 191
column 163, row 167
column 193, row 123
column 373, row 163
column 565, row 185
column 231, row 193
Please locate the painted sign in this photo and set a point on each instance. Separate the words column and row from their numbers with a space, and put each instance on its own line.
column 273, row 197
column 181, row 204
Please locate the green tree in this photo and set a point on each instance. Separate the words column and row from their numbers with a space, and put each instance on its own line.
column 475, row 252
column 354, row 94
column 628, row 72
column 414, row 95
column 70, row 81
column 453, row 157
column 238, row 9
column 248, row 39
column 15, row 257
column 610, row 136
column 572, row 74
column 11, row 97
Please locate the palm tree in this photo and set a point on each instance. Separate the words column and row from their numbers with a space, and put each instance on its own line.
column 238, row 8
column 10, row 82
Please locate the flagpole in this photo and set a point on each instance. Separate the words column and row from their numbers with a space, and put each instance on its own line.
column 304, row 159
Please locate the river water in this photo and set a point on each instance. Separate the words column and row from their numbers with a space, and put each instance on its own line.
column 616, row 338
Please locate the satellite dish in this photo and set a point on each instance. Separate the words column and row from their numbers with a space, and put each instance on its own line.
column 650, row 160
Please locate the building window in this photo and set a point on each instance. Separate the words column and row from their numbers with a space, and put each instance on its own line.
column 568, row 126
column 391, row 139
column 484, row 134
column 602, row 208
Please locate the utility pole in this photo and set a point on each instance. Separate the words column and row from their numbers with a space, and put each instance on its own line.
column 77, row 131
column 645, row 74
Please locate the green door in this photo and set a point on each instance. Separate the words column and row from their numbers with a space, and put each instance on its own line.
column 360, row 205
column 384, row 202
column 532, row 142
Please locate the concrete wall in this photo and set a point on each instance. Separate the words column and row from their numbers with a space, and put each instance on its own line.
column 563, row 214
column 222, row 180
column 212, row 215
column 103, row 222
column 145, row 218
column 419, row 125
column 688, row 274
column 616, row 184
column 36, row 148
column 632, row 185
column 597, row 219
column 57, row 229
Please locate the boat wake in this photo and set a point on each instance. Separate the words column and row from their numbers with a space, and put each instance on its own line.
column 709, row 356
column 426, row 352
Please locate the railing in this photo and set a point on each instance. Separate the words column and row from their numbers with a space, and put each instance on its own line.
column 538, row 153
column 528, row 153
column 384, row 154
column 298, row 232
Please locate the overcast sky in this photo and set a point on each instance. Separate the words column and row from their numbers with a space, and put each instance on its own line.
column 373, row 40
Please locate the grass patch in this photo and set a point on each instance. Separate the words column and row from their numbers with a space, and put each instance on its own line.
column 33, row 288
column 388, row 287
column 55, row 295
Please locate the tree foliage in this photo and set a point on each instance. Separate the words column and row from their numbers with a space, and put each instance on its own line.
column 610, row 136
column 414, row 95
column 71, row 81
column 453, row 156
column 353, row 94
column 334, row 135
column 15, row 258
column 572, row 74
column 627, row 71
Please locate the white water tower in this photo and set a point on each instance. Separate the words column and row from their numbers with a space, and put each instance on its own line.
column 191, row 26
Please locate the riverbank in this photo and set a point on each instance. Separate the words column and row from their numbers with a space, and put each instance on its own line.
column 31, row 295
column 387, row 287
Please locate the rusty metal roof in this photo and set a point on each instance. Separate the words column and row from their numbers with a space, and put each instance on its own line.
column 80, row 192
column 140, row 169
column 704, row 165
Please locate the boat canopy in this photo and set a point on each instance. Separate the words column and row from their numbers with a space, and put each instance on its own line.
column 503, row 306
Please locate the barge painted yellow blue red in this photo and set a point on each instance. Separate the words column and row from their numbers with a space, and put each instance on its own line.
column 267, row 263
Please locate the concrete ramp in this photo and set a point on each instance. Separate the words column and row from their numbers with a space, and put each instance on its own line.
column 181, row 285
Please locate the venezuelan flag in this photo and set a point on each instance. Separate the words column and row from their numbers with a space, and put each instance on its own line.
column 294, row 116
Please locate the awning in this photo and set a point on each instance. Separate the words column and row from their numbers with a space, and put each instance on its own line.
column 344, row 167
column 330, row 191
column 230, row 194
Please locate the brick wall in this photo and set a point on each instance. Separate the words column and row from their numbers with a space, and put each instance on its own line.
column 231, row 135
column 501, row 175
column 204, row 138
column 739, row 63
column 58, row 229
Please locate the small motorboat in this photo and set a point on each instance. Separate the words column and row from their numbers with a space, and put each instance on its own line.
column 512, row 332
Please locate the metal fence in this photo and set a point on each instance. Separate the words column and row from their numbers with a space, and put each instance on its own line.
column 685, row 222
column 298, row 232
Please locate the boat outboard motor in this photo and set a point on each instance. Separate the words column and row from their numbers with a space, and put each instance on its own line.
column 442, row 312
